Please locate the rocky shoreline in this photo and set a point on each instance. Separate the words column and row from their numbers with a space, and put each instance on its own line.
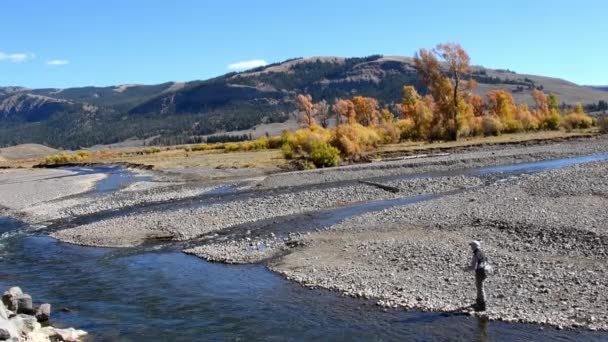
column 20, row 320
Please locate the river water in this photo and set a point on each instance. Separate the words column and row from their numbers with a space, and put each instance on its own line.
column 151, row 294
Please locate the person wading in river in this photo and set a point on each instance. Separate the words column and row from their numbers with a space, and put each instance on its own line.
column 481, row 266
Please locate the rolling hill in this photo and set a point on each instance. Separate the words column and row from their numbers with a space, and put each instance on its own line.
column 177, row 111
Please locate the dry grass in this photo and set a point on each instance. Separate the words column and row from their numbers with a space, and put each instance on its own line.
column 176, row 158
column 501, row 139
column 180, row 159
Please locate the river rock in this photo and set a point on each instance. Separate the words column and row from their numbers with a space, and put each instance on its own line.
column 10, row 298
column 43, row 313
column 25, row 323
column 4, row 334
column 8, row 332
column 70, row 334
column 25, row 305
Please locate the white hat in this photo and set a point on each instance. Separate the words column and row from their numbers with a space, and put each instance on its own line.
column 475, row 243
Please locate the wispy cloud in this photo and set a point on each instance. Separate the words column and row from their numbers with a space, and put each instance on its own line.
column 57, row 62
column 244, row 65
column 15, row 57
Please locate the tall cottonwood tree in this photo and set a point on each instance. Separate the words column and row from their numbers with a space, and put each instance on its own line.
column 447, row 91
column 307, row 110
column 345, row 111
column 321, row 109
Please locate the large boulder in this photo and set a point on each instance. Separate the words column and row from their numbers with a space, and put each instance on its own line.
column 9, row 299
column 43, row 313
column 25, row 304
column 8, row 331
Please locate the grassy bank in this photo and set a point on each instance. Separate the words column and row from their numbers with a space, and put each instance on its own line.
column 188, row 156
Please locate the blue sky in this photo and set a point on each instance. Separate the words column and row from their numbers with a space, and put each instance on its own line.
column 62, row 43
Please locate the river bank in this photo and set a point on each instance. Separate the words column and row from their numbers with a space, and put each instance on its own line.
column 545, row 232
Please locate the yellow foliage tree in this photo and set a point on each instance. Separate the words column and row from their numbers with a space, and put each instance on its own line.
column 366, row 109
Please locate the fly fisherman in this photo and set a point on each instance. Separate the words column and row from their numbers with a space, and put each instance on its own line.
column 481, row 266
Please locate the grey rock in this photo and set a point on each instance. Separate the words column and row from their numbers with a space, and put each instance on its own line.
column 4, row 334
column 25, row 304
column 9, row 299
column 43, row 313
column 25, row 323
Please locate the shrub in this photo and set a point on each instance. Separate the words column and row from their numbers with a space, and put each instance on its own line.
column 354, row 139
column 491, row 125
column 83, row 154
column 275, row 142
column 511, row 126
column 151, row 150
column 231, row 147
column 406, row 129
column 388, row 133
column 324, row 155
column 576, row 120
column 301, row 141
column 66, row 158
column 288, row 152
column 552, row 120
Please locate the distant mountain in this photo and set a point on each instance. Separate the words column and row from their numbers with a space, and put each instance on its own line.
column 176, row 111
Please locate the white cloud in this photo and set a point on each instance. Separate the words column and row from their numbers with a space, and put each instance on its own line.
column 15, row 57
column 57, row 62
column 244, row 65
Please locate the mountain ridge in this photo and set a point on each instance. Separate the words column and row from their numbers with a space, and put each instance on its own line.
column 177, row 111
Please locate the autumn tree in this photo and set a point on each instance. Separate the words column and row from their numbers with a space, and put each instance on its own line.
column 542, row 106
column 344, row 111
column 307, row 110
column 321, row 109
column 553, row 101
column 366, row 109
column 448, row 92
column 478, row 104
column 408, row 102
column 386, row 116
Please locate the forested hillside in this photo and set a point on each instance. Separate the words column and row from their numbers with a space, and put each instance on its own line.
column 180, row 112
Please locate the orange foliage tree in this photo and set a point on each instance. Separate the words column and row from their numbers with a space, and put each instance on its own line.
column 344, row 111
column 366, row 109
column 447, row 92
column 307, row 110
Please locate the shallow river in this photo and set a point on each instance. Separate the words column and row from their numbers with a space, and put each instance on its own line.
column 145, row 294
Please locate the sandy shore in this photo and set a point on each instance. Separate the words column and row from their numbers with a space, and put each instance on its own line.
column 21, row 189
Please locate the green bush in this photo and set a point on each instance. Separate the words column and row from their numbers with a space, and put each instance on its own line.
column 324, row 155
column 552, row 121
column 288, row 152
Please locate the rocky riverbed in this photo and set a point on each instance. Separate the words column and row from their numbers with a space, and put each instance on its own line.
column 546, row 235
column 544, row 232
